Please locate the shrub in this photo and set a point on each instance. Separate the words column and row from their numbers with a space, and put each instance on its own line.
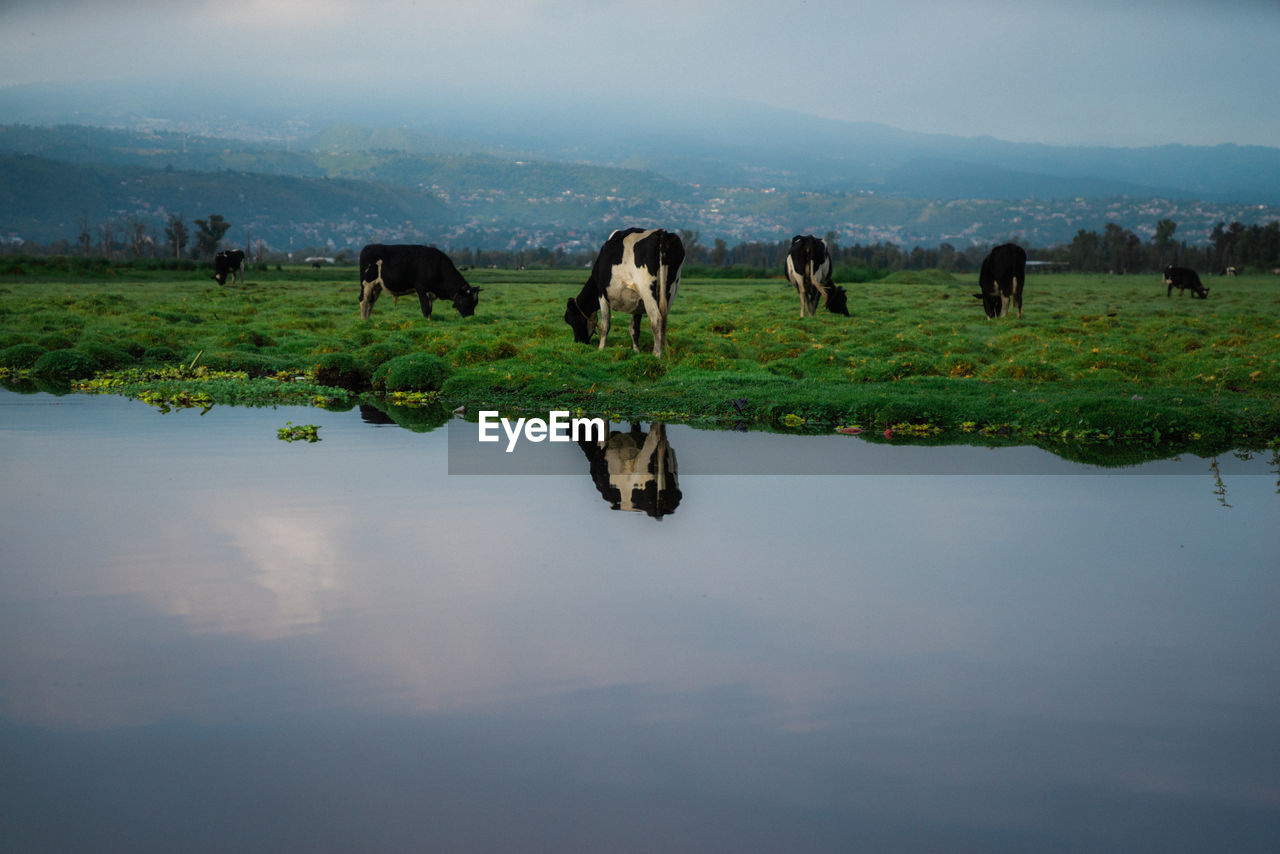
column 412, row 372
column 343, row 371
column 106, row 356
column 55, row 341
column 254, row 364
column 64, row 365
column 159, row 354
column 376, row 354
column 386, row 349
column 20, row 355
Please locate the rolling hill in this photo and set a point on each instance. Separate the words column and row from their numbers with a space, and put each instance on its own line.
column 549, row 183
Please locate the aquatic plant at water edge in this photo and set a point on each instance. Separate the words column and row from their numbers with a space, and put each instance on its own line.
column 291, row 432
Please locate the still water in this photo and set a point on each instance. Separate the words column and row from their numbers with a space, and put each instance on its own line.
column 211, row 640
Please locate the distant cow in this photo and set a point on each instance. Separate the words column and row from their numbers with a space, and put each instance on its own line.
column 1184, row 279
column 228, row 262
column 1004, row 272
column 635, row 470
column 637, row 271
column 411, row 268
column 809, row 270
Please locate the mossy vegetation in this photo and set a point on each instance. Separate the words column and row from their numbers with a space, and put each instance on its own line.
column 1096, row 359
column 412, row 372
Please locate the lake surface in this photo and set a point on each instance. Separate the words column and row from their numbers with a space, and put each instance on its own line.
column 212, row 640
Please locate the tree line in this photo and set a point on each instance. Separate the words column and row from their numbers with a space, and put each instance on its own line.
column 1116, row 250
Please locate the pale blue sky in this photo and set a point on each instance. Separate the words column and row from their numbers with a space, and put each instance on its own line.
column 1083, row 72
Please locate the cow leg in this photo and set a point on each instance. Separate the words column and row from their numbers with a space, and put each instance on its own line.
column 807, row 307
column 426, row 299
column 603, row 327
column 635, row 332
column 371, row 291
column 1017, row 295
column 658, row 326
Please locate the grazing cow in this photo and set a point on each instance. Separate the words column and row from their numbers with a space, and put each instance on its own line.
column 1004, row 272
column 412, row 268
column 637, row 271
column 635, row 470
column 228, row 262
column 1184, row 279
column 809, row 270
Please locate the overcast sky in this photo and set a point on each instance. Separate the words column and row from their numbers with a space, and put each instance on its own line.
column 1138, row 72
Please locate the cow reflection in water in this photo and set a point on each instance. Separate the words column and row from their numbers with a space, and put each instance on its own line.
column 635, row 470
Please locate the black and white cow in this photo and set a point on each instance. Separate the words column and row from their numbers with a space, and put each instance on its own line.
column 809, row 270
column 1184, row 279
column 412, row 268
column 635, row 470
column 228, row 262
column 637, row 272
column 1004, row 272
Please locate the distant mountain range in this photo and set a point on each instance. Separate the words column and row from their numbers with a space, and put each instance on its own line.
column 338, row 173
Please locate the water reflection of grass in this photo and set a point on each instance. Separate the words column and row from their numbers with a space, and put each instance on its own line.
column 1096, row 359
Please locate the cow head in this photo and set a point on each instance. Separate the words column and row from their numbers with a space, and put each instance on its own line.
column 838, row 300
column 582, row 324
column 465, row 300
column 990, row 303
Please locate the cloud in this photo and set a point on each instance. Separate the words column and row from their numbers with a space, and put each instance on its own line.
column 1032, row 70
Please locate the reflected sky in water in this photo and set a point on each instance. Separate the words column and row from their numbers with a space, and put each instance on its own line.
column 212, row 640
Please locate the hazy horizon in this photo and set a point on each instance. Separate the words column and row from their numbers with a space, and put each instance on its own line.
column 1150, row 73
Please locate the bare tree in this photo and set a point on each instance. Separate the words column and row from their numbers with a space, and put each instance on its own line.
column 176, row 234
column 140, row 242
column 106, row 234
column 84, row 238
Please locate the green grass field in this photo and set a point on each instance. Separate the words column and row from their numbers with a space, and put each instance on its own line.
column 1095, row 359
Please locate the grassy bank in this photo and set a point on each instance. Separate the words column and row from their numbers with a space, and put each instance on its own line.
column 1096, row 359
